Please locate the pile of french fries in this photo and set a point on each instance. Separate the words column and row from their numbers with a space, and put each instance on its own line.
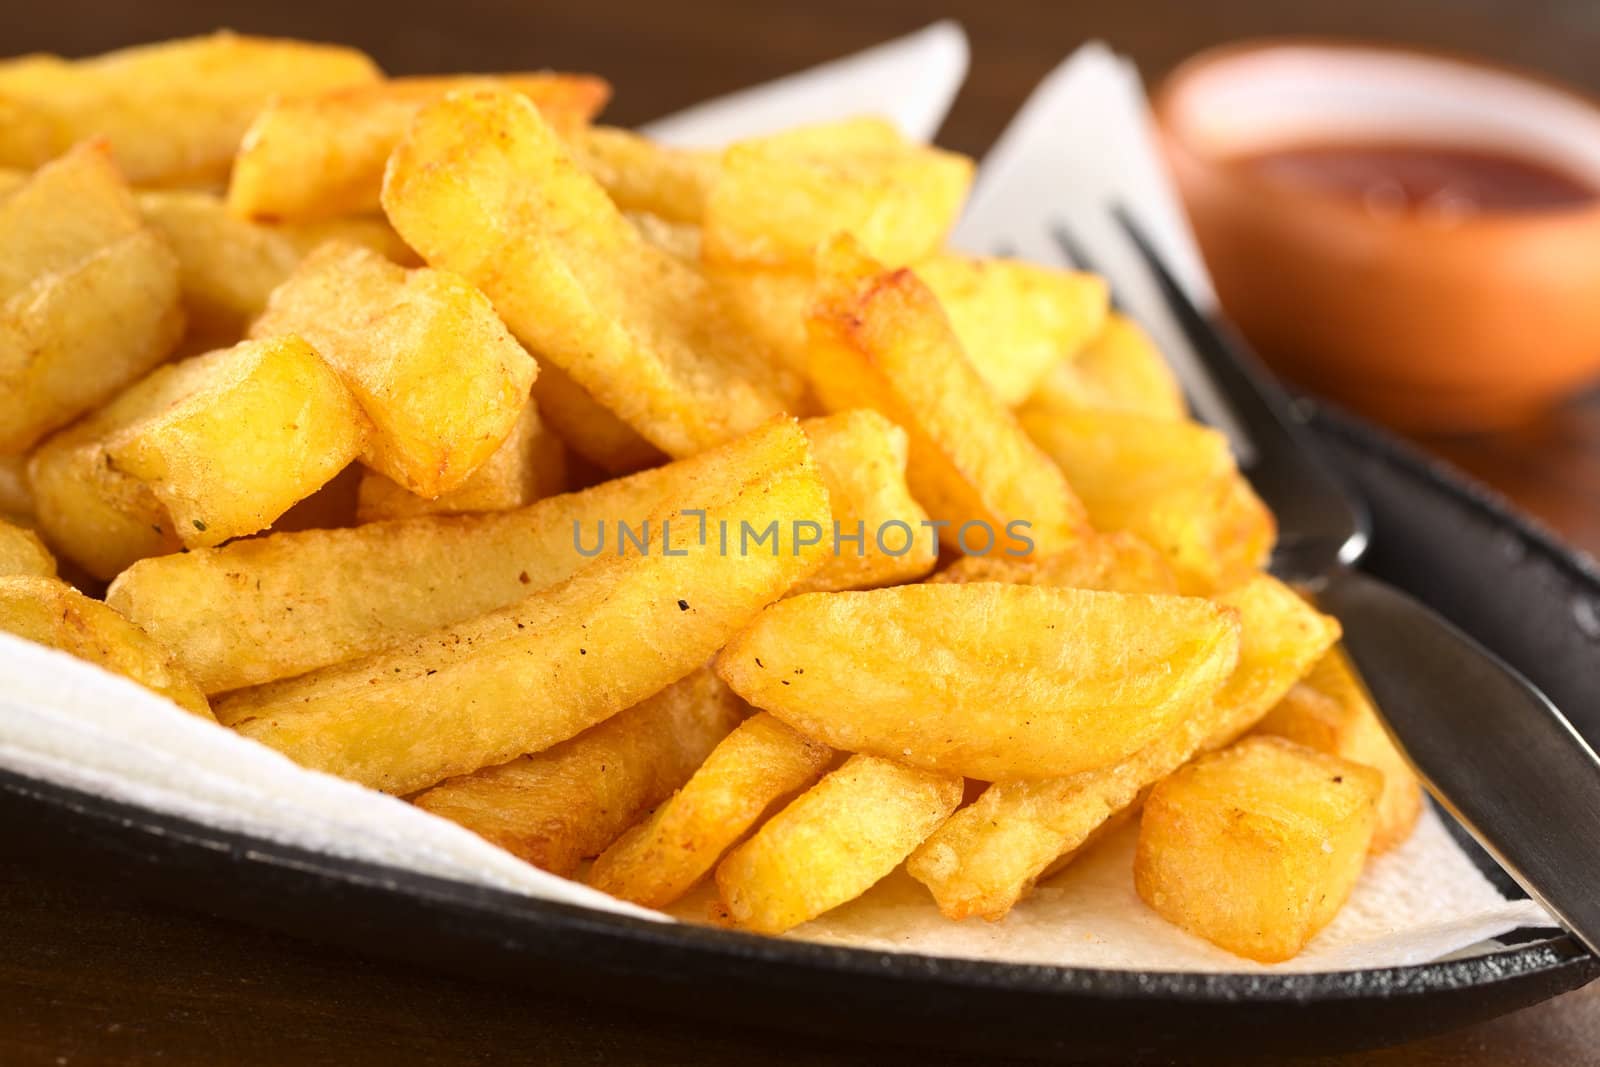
column 660, row 515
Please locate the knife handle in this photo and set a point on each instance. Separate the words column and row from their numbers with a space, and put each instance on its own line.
column 1492, row 748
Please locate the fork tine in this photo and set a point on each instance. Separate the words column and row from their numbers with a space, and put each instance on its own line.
column 1080, row 258
column 1320, row 523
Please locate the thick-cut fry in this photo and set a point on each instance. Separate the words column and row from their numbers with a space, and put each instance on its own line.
column 174, row 112
column 16, row 496
column 51, row 612
column 483, row 186
column 1256, row 848
column 880, row 340
column 989, row 681
column 862, row 457
column 321, row 156
column 529, row 465
column 589, row 429
column 271, row 607
column 561, row 806
column 529, row 676
column 199, row 451
column 1015, row 320
column 776, row 198
column 1172, row 483
column 439, row 376
column 756, row 767
column 88, row 295
column 990, row 854
column 1115, row 563
column 23, row 554
column 1120, row 370
column 772, row 305
column 1332, row 712
column 640, row 175
column 839, row 839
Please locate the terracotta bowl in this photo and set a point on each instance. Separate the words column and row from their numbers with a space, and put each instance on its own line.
column 1429, row 322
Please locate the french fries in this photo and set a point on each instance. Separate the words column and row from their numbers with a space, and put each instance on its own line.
column 834, row 843
column 1015, row 320
column 174, row 112
column 776, row 198
column 482, row 185
column 1120, row 370
column 22, row 553
column 321, row 156
column 589, row 429
column 640, row 175
column 1112, row 563
column 1255, row 848
column 1331, row 711
column 1008, row 681
column 523, row 678
column 88, row 295
column 566, row 804
column 879, row 339
column 439, row 377
column 757, row 766
column 52, row 613
column 991, row 853
column 16, row 496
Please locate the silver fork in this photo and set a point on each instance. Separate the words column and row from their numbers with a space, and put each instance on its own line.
column 1525, row 784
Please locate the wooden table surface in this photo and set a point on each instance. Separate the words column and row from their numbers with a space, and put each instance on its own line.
column 88, row 975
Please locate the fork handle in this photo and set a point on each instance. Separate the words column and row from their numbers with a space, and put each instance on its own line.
column 1493, row 749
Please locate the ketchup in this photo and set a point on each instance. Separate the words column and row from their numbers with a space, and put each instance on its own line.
column 1441, row 180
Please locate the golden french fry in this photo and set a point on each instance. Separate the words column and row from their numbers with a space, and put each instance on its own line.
column 307, row 157
column 640, row 175
column 1256, row 848
column 23, row 554
column 529, row 465
column 561, row 806
column 759, row 765
column 531, row 675
column 1115, row 563
column 862, row 457
column 199, row 451
column 51, row 612
column 1331, row 711
column 439, row 376
column 992, row 852
column 88, row 295
column 483, row 186
column 776, row 198
column 174, row 112
column 878, row 339
column 772, row 306
column 1008, row 681
column 1120, row 370
column 589, row 429
column 1015, row 320
column 16, row 496
column 839, row 839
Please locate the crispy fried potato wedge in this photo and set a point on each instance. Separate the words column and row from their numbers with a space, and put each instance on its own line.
column 1171, row 483
column 776, row 198
column 1115, row 563
column 526, row 677
column 1015, row 320
column 23, row 554
column 758, row 766
column 482, row 185
column 772, row 306
column 436, row 372
column 51, row 612
column 88, row 295
column 199, row 451
column 879, row 339
column 313, row 157
column 862, row 457
column 271, row 607
column 589, row 429
column 1119, row 370
column 568, row 803
column 990, row 854
column 1256, row 848
column 16, row 496
column 529, row 465
column 836, row 841
column 1331, row 711
column 174, row 112
column 641, row 175
column 1007, row 681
